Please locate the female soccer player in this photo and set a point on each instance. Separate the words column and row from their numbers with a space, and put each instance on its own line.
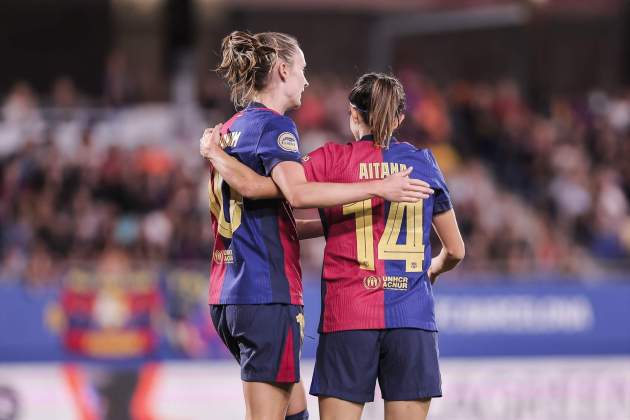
column 255, row 282
column 378, row 312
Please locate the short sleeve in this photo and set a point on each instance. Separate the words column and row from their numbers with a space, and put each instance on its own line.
column 278, row 143
column 316, row 164
column 442, row 196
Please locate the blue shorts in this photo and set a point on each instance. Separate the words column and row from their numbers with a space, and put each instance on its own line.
column 265, row 340
column 405, row 361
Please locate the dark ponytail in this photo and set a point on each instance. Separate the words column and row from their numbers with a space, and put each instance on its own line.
column 380, row 99
column 248, row 59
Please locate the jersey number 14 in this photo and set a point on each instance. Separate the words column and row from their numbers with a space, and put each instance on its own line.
column 411, row 251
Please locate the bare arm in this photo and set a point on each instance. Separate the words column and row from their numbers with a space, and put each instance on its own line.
column 239, row 176
column 453, row 249
column 290, row 178
column 308, row 229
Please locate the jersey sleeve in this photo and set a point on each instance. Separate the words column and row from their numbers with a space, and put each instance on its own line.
column 442, row 196
column 317, row 164
column 278, row 143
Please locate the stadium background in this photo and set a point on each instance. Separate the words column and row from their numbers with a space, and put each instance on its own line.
column 104, row 227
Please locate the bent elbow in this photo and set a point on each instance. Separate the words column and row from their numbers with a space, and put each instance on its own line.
column 252, row 190
column 296, row 199
column 297, row 202
column 459, row 256
column 458, row 253
column 248, row 191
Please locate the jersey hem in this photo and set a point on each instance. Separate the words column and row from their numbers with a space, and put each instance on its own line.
column 442, row 207
column 429, row 326
column 299, row 302
column 277, row 161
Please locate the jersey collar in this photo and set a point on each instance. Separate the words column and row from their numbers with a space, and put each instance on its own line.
column 259, row 105
column 255, row 104
column 370, row 137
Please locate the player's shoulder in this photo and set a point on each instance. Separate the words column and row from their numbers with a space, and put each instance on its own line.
column 334, row 146
column 331, row 153
column 403, row 146
column 408, row 149
column 271, row 120
column 344, row 151
column 330, row 147
column 277, row 129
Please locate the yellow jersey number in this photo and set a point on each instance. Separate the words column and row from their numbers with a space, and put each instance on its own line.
column 235, row 203
column 412, row 251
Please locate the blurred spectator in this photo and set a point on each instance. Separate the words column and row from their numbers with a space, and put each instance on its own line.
column 535, row 190
column 119, row 87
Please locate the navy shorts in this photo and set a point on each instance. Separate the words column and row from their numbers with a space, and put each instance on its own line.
column 405, row 361
column 265, row 340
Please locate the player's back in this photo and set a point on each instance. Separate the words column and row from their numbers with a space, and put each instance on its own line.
column 255, row 259
column 377, row 253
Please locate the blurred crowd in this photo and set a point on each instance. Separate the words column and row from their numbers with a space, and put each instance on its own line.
column 83, row 185
column 537, row 189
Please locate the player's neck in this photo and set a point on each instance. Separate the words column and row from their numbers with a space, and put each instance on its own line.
column 364, row 131
column 271, row 102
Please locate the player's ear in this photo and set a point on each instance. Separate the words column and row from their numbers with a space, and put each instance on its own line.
column 283, row 70
column 354, row 114
column 401, row 118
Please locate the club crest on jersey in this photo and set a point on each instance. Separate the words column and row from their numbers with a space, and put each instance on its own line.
column 288, row 142
column 371, row 282
column 386, row 282
column 223, row 256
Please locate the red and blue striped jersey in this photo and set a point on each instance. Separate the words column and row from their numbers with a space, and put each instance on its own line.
column 256, row 252
column 377, row 253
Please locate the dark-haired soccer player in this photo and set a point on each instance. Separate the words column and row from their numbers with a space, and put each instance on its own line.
column 378, row 316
